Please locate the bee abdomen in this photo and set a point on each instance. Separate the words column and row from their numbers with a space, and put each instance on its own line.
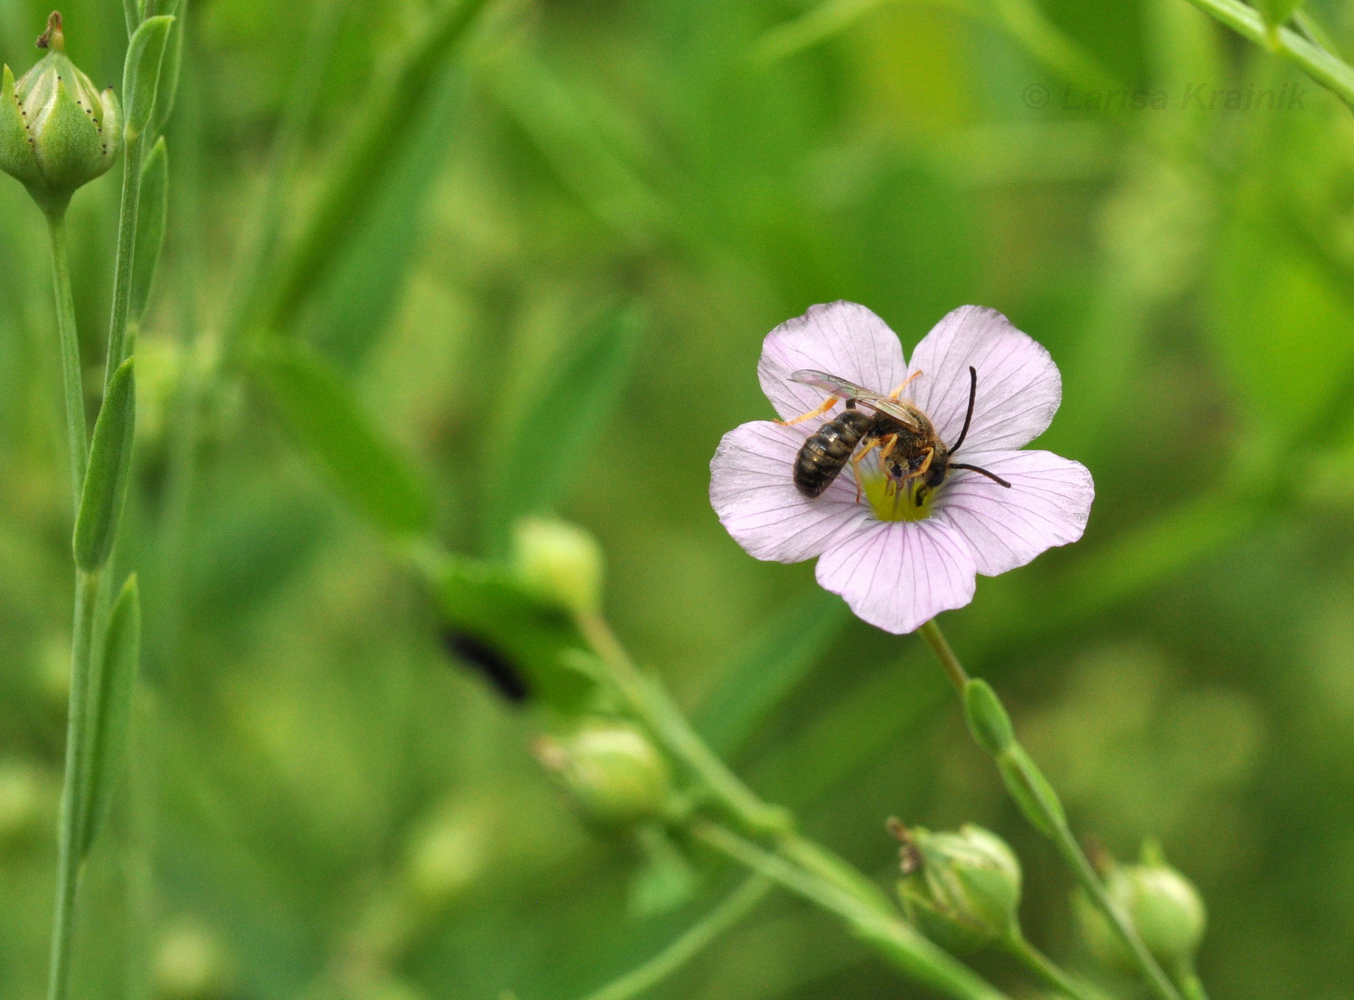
column 826, row 452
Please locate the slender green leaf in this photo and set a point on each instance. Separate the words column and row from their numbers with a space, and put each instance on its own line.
column 763, row 673
column 131, row 13
column 386, row 122
column 111, row 707
column 168, row 90
column 110, row 455
column 365, row 275
column 538, row 460
column 141, row 73
column 150, row 232
column 324, row 415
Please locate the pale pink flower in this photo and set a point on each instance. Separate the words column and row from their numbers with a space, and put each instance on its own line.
column 900, row 564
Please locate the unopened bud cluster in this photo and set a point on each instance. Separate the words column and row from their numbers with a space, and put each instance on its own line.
column 57, row 130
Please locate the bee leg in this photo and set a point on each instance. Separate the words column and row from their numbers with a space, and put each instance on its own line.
column 899, row 391
column 920, row 494
column 858, row 457
column 828, row 404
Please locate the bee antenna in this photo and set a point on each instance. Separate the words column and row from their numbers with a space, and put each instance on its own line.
column 968, row 417
column 982, row 472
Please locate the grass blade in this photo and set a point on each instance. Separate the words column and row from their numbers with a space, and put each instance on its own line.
column 566, row 417
column 759, row 676
column 111, row 707
column 150, row 232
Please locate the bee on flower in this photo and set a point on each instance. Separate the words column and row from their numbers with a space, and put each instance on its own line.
column 905, row 502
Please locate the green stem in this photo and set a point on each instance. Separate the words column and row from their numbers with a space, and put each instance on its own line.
column 1047, row 972
column 648, row 700
column 1053, row 824
column 954, row 670
column 74, row 795
column 887, row 934
column 72, row 373
column 1189, row 982
column 1322, row 66
column 126, row 254
column 696, row 939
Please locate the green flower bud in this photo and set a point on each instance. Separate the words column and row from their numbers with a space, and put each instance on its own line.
column 57, row 131
column 615, row 774
column 1164, row 907
column 962, row 888
column 560, row 563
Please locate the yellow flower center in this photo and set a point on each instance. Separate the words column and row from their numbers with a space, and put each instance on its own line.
column 893, row 501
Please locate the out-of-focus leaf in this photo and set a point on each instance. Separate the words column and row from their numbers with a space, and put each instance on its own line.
column 1283, row 331
column 665, row 880
column 362, row 281
column 325, row 416
column 762, row 674
column 150, row 231
column 851, row 732
column 537, row 642
column 388, row 120
column 111, row 705
column 141, row 74
column 533, row 466
column 110, row 459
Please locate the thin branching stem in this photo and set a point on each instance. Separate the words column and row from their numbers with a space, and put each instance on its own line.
column 886, row 932
column 72, row 373
column 126, row 254
column 1046, row 970
column 696, row 939
column 1056, row 828
column 74, row 794
column 1321, row 65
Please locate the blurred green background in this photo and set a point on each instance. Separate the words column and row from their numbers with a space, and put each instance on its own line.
column 342, row 810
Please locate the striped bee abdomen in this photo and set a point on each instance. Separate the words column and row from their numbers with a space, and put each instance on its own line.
column 827, row 451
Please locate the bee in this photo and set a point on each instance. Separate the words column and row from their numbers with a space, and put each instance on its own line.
column 910, row 451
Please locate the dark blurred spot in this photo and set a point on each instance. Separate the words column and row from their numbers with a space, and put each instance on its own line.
column 506, row 679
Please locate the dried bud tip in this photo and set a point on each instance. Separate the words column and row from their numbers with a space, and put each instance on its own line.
column 53, row 37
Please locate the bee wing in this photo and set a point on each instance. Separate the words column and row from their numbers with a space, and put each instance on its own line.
column 895, row 408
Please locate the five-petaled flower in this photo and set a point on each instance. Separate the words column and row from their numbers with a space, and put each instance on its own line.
column 898, row 565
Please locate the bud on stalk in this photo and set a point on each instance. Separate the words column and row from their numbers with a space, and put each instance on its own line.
column 57, row 130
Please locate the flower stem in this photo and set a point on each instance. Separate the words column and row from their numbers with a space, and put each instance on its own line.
column 696, row 939
column 72, row 374
column 885, row 932
column 651, row 704
column 75, row 794
column 1321, row 65
column 954, row 670
column 1044, row 968
column 1039, row 803
column 126, row 254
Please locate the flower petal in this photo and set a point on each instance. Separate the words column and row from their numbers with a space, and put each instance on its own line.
column 897, row 575
column 1019, row 387
column 840, row 338
column 1048, row 504
column 752, row 490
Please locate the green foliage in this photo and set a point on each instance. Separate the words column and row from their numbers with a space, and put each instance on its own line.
column 141, row 74
column 536, row 461
column 444, row 222
column 112, row 688
column 110, row 461
column 326, row 418
column 150, row 234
